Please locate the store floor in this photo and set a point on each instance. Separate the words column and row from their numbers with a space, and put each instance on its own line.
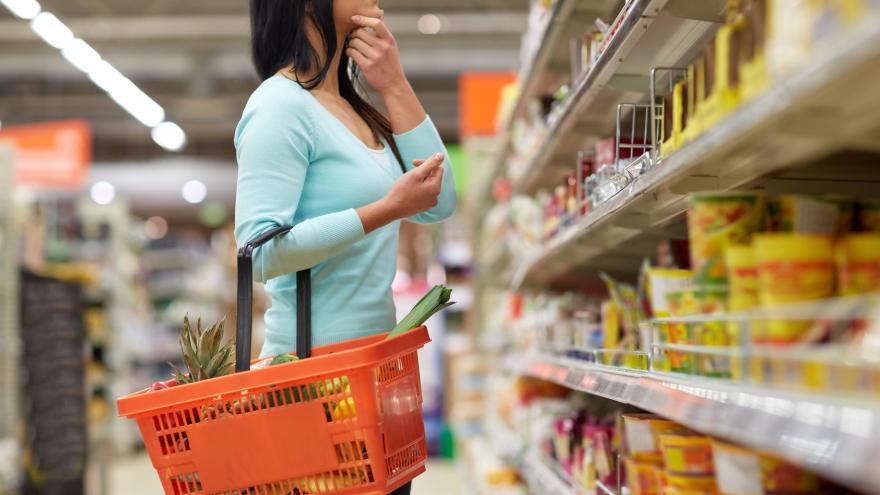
column 135, row 476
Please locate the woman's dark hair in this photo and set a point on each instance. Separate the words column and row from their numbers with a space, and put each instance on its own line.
column 279, row 40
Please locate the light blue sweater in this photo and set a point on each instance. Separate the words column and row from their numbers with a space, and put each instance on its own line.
column 299, row 165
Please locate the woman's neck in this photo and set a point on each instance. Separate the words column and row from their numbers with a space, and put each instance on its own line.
column 330, row 84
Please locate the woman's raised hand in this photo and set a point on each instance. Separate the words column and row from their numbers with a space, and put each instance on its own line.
column 417, row 190
column 374, row 49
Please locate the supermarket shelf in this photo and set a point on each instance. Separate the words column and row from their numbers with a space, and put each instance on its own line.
column 542, row 477
column 763, row 144
column 837, row 438
column 566, row 19
column 648, row 36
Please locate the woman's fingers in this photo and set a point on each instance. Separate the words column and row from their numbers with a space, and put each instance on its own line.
column 371, row 22
column 429, row 165
column 365, row 49
column 365, row 34
column 357, row 56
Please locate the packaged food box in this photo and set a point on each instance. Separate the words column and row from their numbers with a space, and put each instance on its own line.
column 715, row 220
column 803, row 215
column 869, row 215
column 642, row 435
column 662, row 281
column 791, row 268
column 690, row 484
column 712, row 300
column 644, row 478
column 686, row 453
column 740, row 471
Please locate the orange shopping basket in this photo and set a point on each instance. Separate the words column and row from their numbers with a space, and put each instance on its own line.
column 346, row 420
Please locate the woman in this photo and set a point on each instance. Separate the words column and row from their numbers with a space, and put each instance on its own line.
column 312, row 153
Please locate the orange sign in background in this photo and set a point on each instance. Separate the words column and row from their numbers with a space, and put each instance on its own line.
column 479, row 96
column 51, row 155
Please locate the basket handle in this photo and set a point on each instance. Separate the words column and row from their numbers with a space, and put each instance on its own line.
column 245, row 303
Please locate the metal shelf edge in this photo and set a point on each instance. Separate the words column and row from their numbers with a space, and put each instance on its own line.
column 838, row 440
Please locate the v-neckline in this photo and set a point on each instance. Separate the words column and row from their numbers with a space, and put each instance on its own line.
column 336, row 119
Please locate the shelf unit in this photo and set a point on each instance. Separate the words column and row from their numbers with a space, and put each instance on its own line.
column 9, row 341
column 541, row 67
column 765, row 143
column 833, row 436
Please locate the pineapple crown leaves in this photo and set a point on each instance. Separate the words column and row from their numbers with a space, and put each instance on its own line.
column 205, row 354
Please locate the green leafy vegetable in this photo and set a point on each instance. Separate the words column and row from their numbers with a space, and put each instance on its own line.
column 436, row 299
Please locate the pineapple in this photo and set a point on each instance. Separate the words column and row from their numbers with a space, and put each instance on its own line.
column 205, row 353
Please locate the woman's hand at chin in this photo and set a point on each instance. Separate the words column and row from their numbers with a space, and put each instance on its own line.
column 374, row 50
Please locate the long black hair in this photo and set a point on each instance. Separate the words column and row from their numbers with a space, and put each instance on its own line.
column 279, row 41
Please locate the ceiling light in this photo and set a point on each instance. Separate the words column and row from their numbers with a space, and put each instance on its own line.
column 156, row 227
column 102, row 192
column 81, row 55
column 52, row 30
column 26, row 9
column 106, row 77
column 169, row 136
column 137, row 103
column 429, row 24
column 194, row 191
column 85, row 58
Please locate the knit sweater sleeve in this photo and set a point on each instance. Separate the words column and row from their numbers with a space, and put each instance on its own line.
column 274, row 145
column 418, row 144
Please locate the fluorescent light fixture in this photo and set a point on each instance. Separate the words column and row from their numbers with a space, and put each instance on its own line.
column 169, row 136
column 429, row 24
column 81, row 55
column 194, row 191
column 106, row 77
column 52, row 30
column 137, row 103
column 85, row 58
column 26, row 9
column 102, row 192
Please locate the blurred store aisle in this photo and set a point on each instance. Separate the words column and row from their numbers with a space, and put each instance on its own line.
column 133, row 475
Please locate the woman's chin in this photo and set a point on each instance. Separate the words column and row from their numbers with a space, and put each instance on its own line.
column 375, row 12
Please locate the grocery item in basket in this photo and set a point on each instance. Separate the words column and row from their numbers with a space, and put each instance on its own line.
column 686, row 453
column 642, row 435
column 858, row 264
column 791, row 268
column 436, row 299
column 204, row 352
column 644, row 478
column 802, row 215
column 740, row 471
column 662, row 281
column 716, row 220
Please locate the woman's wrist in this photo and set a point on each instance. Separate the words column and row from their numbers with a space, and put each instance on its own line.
column 378, row 214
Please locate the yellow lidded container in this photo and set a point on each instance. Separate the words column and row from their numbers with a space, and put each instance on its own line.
column 858, row 260
column 791, row 268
